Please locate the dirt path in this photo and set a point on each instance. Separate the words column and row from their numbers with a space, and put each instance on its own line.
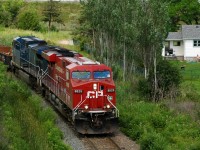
column 66, row 42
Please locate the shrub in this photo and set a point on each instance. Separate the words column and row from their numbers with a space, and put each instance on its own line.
column 53, row 28
column 168, row 80
column 43, row 27
column 29, row 20
column 144, row 88
column 153, row 141
column 117, row 72
column 156, row 127
column 24, row 123
column 9, row 9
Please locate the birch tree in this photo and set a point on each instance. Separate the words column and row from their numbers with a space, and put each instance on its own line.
column 127, row 32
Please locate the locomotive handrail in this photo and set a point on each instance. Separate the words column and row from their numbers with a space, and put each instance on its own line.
column 40, row 76
column 117, row 110
column 56, row 83
column 33, row 65
column 49, row 76
column 62, row 78
column 77, row 106
column 81, row 102
column 44, row 73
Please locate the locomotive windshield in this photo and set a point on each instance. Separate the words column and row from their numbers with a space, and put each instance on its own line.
column 101, row 74
column 81, row 75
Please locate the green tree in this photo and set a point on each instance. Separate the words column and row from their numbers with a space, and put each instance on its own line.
column 28, row 20
column 9, row 10
column 5, row 16
column 184, row 11
column 168, row 81
column 129, row 35
column 52, row 13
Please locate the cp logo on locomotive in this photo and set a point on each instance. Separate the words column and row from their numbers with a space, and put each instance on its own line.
column 94, row 94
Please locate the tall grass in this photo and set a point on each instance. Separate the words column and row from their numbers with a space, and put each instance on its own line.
column 26, row 124
column 157, row 126
column 8, row 34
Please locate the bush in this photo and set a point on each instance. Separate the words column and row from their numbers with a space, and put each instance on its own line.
column 153, row 141
column 144, row 88
column 24, row 123
column 43, row 27
column 117, row 72
column 168, row 81
column 9, row 9
column 53, row 28
column 28, row 20
column 157, row 128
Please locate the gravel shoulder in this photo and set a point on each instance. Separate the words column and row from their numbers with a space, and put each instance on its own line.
column 125, row 142
column 69, row 135
column 78, row 142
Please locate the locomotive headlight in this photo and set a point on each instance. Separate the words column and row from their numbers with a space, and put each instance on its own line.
column 110, row 98
column 95, row 86
column 108, row 106
column 86, row 106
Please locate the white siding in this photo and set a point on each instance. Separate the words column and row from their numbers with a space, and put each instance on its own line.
column 177, row 50
column 163, row 51
column 190, row 50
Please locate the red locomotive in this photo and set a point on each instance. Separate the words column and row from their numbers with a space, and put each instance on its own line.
column 81, row 89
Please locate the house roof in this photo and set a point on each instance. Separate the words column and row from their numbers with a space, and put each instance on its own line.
column 191, row 31
column 174, row 36
column 187, row 32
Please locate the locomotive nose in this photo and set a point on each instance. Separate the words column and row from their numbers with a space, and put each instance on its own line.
column 96, row 95
column 97, row 113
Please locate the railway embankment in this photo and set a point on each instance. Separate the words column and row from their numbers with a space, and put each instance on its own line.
column 25, row 124
column 28, row 121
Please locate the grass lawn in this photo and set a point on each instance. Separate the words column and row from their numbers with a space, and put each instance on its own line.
column 53, row 38
column 7, row 35
column 189, row 70
column 190, row 74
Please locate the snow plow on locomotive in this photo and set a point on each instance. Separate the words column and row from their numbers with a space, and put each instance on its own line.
column 81, row 89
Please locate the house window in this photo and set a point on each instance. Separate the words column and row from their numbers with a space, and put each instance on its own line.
column 196, row 43
column 176, row 43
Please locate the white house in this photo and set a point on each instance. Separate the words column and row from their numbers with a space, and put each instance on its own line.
column 184, row 44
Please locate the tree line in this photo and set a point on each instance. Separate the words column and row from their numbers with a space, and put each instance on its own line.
column 24, row 15
column 129, row 34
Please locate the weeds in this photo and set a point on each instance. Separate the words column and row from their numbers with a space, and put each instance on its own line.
column 158, row 128
column 27, row 125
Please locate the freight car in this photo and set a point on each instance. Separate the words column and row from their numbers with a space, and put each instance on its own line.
column 6, row 55
column 81, row 89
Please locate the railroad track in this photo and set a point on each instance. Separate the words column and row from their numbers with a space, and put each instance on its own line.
column 101, row 143
column 88, row 142
column 92, row 142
